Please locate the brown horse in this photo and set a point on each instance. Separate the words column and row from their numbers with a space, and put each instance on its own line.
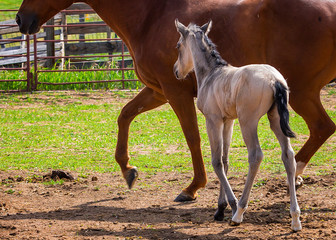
column 295, row 36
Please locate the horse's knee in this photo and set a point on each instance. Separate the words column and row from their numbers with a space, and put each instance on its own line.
column 125, row 116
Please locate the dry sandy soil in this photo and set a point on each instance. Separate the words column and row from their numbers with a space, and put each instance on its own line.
column 101, row 207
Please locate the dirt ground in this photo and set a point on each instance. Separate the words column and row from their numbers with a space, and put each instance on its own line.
column 99, row 206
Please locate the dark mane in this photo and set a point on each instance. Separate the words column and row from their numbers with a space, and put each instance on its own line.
column 212, row 48
column 214, row 53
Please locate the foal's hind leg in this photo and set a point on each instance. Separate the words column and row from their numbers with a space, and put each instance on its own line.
column 255, row 155
column 222, row 200
column 287, row 157
column 214, row 127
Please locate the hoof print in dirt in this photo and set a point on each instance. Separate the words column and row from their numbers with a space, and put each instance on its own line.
column 59, row 174
column 94, row 179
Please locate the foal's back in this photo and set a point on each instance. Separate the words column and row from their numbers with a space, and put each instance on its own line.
column 243, row 92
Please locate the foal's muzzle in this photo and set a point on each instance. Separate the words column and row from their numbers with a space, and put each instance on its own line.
column 176, row 72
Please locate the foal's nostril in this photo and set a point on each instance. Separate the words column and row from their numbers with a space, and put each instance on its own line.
column 18, row 19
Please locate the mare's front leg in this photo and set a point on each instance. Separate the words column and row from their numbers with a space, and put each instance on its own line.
column 184, row 107
column 214, row 128
column 249, row 127
column 146, row 100
column 222, row 200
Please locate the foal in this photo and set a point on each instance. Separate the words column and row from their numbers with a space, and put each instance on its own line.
column 226, row 93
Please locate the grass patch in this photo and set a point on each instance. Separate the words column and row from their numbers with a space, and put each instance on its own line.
column 10, row 4
column 76, row 132
column 53, row 183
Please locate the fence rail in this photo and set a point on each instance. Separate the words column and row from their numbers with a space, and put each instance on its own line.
column 64, row 47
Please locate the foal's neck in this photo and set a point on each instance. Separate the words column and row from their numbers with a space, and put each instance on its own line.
column 205, row 63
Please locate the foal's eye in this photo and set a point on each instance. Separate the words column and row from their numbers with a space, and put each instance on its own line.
column 178, row 45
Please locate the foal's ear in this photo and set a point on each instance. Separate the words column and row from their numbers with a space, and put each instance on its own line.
column 181, row 28
column 207, row 27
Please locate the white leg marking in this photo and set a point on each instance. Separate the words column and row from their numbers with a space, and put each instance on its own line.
column 300, row 167
column 238, row 217
column 296, row 223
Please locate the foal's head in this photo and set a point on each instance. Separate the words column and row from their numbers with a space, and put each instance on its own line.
column 190, row 36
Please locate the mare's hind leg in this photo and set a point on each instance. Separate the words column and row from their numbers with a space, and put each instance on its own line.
column 308, row 105
column 248, row 127
column 146, row 100
column 222, row 200
column 287, row 157
column 214, row 128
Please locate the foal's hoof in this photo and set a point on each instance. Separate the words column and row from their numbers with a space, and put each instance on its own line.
column 131, row 176
column 232, row 223
column 219, row 215
column 184, row 197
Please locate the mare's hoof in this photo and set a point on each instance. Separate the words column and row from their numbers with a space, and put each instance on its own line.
column 298, row 182
column 131, row 176
column 184, row 197
column 219, row 215
column 232, row 223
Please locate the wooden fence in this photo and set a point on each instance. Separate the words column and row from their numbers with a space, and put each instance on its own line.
column 74, row 43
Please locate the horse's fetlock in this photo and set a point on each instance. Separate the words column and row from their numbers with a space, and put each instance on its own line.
column 216, row 163
column 295, row 213
column 233, row 203
column 296, row 223
column 222, row 205
column 203, row 182
column 300, row 167
column 255, row 156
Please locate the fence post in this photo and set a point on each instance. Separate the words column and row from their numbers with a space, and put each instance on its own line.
column 29, row 76
column 81, row 20
column 1, row 45
column 50, row 35
column 35, row 79
column 123, row 64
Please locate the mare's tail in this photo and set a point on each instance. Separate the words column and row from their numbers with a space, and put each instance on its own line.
column 281, row 101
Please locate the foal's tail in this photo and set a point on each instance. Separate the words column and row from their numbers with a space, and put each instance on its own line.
column 281, row 100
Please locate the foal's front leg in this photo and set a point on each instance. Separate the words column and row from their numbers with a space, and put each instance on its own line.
column 222, row 200
column 214, row 129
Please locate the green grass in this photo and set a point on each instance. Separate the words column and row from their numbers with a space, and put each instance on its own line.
column 57, row 130
column 10, row 4
column 76, row 76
